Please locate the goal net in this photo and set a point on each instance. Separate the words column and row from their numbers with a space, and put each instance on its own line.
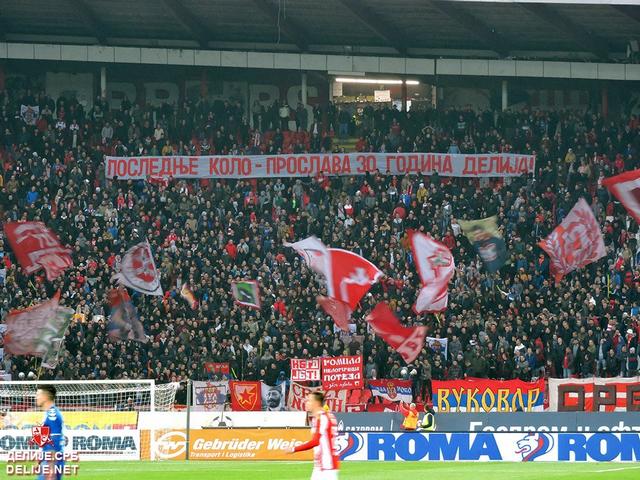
column 104, row 420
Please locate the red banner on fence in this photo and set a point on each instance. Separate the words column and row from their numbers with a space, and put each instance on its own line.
column 482, row 395
column 335, row 400
column 342, row 372
column 615, row 394
column 308, row 165
column 305, row 370
column 246, row 396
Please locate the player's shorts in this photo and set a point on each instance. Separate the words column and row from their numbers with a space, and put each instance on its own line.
column 324, row 474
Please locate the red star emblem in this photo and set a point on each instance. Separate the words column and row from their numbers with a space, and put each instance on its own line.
column 246, row 396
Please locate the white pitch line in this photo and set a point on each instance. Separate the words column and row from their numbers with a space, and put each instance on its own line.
column 615, row 469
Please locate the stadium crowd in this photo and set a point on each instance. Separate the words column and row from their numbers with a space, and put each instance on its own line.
column 517, row 323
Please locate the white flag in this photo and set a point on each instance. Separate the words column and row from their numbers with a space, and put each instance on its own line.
column 138, row 270
column 436, row 267
column 316, row 256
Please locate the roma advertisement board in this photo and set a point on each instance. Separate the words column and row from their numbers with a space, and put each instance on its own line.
column 252, row 444
column 307, row 165
column 88, row 444
column 482, row 395
column 616, row 394
column 509, row 447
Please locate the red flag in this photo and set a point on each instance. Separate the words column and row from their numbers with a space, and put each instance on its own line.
column 339, row 311
column 36, row 247
column 245, row 396
column 435, row 266
column 576, row 242
column 351, row 276
column 407, row 341
column 626, row 188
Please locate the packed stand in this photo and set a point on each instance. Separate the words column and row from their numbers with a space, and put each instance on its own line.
column 517, row 323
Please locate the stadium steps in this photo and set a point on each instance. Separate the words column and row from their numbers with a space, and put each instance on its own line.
column 348, row 143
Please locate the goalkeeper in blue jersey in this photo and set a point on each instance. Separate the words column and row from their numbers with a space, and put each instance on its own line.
column 53, row 466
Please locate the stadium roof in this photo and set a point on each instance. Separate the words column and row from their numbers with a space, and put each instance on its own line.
column 592, row 30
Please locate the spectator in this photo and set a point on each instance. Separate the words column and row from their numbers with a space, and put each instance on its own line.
column 209, row 232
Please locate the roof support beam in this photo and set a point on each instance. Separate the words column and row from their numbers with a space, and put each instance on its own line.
column 475, row 26
column 580, row 35
column 368, row 17
column 285, row 25
column 88, row 15
column 188, row 21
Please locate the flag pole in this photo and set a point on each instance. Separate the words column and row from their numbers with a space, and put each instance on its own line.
column 39, row 369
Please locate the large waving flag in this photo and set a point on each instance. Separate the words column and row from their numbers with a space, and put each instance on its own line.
column 138, row 270
column 487, row 241
column 38, row 330
column 576, row 242
column 124, row 323
column 36, row 247
column 407, row 341
column 315, row 254
column 348, row 277
column 626, row 188
column 436, row 267
column 351, row 278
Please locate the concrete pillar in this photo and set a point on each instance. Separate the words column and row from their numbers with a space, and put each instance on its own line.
column 505, row 95
column 434, row 96
column 404, row 95
column 103, row 82
column 2, row 76
column 303, row 88
column 204, row 86
column 330, row 89
column 605, row 101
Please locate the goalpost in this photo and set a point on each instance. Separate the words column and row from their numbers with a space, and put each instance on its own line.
column 102, row 417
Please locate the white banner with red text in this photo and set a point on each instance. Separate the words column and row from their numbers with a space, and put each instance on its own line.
column 305, row 370
column 615, row 394
column 312, row 164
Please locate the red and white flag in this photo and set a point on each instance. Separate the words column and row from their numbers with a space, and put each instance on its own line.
column 38, row 330
column 626, row 188
column 351, row 278
column 348, row 277
column 36, row 247
column 315, row 254
column 339, row 311
column 138, row 270
column 576, row 242
column 407, row 341
column 435, row 265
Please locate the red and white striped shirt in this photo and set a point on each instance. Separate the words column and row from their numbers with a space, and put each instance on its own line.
column 324, row 431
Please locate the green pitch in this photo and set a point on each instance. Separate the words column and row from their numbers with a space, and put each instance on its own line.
column 169, row 470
